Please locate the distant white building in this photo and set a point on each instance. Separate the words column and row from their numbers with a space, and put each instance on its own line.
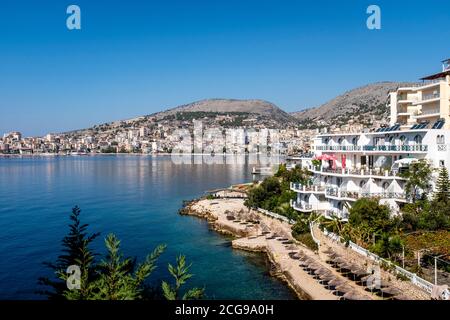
column 356, row 165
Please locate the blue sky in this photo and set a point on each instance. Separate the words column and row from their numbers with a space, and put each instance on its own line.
column 137, row 57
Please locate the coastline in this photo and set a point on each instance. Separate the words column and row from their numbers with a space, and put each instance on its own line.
column 248, row 237
column 257, row 232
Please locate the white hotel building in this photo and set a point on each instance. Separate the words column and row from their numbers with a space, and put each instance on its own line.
column 367, row 164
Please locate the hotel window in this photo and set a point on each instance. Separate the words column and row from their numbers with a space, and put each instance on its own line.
column 441, row 163
column 402, row 140
column 440, row 139
column 418, row 139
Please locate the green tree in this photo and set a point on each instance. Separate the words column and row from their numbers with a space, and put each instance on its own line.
column 181, row 274
column 120, row 278
column 442, row 193
column 418, row 178
column 369, row 214
column 75, row 251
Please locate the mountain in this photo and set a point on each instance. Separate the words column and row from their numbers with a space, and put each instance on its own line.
column 213, row 112
column 362, row 105
column 253, row 107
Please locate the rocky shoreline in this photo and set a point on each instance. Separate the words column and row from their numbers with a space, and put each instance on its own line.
column 254, row 231
column 248, row 236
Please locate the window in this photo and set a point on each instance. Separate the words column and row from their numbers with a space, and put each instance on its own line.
column 441, row 163
column 385, row 186
column 418, row 139
column 355, row 141
column 362, row 184
column 402, row 140
column 340, row 140
column 440, row 139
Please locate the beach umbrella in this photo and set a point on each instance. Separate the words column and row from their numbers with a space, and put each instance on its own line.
column 321, row 271
column 344, row 288
column 400, row 297
column 354, row 295
column 389, row 291
column 339, row 260
column 328, row 251
column 344, row 267
column 377, row 285
column 314, row 266
column 358, row 273
column 327, row 277
column 337, row 282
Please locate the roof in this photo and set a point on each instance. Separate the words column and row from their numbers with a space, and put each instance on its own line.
column 437, row 75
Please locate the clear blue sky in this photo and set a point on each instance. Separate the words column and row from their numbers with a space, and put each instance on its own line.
column 137, row 57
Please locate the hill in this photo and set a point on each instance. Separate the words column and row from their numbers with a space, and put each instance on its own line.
column 362, row 105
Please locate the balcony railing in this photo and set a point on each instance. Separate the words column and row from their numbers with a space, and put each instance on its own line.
column 442, row 147
column 393, row 148
column 339, row 148
column 379, row 172
column 339, row 193
column 429, row 111
column 301, row 206
column 430, row 96
column 298, row 187
column 336, row 213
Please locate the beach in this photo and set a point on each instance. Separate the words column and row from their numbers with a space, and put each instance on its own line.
column 255, row 231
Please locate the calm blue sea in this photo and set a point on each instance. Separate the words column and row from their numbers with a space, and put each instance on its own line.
column 135, row 197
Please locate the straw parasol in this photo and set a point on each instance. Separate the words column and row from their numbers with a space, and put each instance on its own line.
column 344, row 288
column 400, row 297
column 336, row 282
column 354, row 295
column 338, row 260
column 328, row 251
column 327, row 277
column 314, row 266
column 321, row 271
column 389, row 291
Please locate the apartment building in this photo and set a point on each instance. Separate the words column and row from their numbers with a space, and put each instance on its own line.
column 367, row 164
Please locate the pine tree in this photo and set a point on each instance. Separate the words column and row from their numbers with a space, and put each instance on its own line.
column 181, row 274
column 76, row 251
column 120, row 278
column 442, row 193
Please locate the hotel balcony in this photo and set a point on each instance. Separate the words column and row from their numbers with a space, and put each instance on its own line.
column 302, row 207
column 428, row 113
column 358, row 173
column 338, row 193
column 297, row 187
column 375, row 148
column 332, row 213
column 428, row 98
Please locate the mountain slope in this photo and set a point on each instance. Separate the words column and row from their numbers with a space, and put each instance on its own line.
column 255, row 107
column 362, row 105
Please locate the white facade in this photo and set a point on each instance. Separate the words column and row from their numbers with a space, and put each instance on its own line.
column 356, row 165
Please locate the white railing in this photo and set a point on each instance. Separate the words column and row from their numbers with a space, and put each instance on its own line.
column 275, row 215
column 430, row 96
column 442, row 147
column 298, row 187
column 414, row 278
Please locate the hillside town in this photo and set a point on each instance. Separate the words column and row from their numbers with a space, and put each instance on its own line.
column 153, row 135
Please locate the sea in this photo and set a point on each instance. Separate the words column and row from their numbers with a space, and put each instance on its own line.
column 135, row 197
